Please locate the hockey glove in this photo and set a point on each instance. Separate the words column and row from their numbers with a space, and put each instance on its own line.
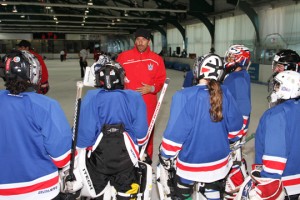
column 265, row 188
column 167, row 163
column 146, row 158
column 70, row 183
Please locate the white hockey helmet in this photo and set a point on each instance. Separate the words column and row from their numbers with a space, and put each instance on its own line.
column 209, row 66
column 286, row 86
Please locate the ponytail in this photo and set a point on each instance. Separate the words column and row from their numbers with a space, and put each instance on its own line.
column 216, row 99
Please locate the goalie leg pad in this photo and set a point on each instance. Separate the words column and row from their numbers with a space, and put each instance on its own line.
column 235, row 179
column 165, row 180
column 144, row 175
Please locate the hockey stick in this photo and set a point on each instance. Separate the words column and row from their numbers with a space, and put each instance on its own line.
column 75, row 128
column 162, row 94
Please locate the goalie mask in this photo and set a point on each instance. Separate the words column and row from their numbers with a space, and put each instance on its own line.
column 286, row 60
column 236, row 56
column 286, row 86
column 21, row 65
column 209, row 66
column 110, row 76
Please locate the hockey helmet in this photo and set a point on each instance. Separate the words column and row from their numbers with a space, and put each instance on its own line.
column 209, row 66
column 286, row 59
column 286, row 85
column 110, row 75
column 21, row 65
column 236, row 56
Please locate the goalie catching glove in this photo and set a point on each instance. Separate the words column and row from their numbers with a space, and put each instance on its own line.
column 261, row 188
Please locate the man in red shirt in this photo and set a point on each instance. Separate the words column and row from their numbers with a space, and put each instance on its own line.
column 145, row 73
column 44, row 85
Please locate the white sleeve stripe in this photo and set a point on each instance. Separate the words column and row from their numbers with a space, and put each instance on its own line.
column 274, row 158
column 171, row 143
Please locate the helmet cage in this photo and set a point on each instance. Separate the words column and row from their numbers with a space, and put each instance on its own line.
column 209, row 66
column 288, row 58
column 110, row 76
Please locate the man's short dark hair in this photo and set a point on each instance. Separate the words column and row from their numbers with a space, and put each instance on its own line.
column 24, row 43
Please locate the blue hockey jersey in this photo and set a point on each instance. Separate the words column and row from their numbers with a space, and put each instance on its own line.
column 35, row 139
column 277, row 144
column 238, row 83
column 201, row 144
column 125, row 107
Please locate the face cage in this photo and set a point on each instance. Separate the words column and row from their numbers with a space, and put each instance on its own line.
column 286, row 66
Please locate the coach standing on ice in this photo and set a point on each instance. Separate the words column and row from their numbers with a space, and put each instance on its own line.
column 145, row 72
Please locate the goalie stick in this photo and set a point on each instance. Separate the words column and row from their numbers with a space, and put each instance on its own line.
column 162, row 94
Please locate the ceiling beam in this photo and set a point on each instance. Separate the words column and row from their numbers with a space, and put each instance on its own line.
column 113, row 32
column 93, row 6
column 88, row 16
column 71, row 22
column 64, row 26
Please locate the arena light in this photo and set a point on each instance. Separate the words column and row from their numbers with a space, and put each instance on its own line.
column 14, row 10
column 90, row 3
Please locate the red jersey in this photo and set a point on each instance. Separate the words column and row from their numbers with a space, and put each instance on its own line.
column 146, row 67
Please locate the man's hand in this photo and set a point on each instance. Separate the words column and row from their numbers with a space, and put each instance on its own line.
column 44, row 88
column 145, row 89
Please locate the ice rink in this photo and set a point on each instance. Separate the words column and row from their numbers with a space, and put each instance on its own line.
column 64, row 75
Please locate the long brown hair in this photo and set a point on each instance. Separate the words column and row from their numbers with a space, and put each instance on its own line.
column 216, row 99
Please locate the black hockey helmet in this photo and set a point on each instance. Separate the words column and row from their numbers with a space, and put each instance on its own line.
column 209, row 66
column 21, row 65
column 110, row 75
column 288, row 58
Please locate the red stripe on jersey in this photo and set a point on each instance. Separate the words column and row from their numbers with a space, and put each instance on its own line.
column 63, row 162
column 144, row 140
column 291, row 182
column 169, row 147
column 28, row 189
column 276, row 165
column 203, row 168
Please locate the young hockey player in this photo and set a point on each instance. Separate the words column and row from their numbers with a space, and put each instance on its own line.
column 276, row 143
column 202, row 118
column 113, row 125
column 237, row 80
column 35, row 137
column 285, row 59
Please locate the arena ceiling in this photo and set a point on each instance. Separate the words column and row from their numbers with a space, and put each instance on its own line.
column 113, row 16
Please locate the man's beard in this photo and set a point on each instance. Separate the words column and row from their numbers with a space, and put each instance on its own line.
column 141, row 48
